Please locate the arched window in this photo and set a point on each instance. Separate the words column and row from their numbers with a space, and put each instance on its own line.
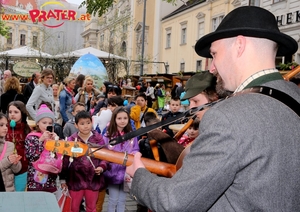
column 123, row 46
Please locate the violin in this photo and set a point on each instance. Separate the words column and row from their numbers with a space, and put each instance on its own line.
column 291, row 73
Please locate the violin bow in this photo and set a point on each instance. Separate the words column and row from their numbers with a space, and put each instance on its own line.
column 189, row 113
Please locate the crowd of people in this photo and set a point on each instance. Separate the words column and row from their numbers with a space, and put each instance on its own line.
column 76, row 110
column 238, row 161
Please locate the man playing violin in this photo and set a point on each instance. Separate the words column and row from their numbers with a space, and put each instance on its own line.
column 247, row 156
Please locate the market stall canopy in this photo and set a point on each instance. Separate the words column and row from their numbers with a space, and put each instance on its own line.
column 80, row 52
column 161, row 79
column 25, row 51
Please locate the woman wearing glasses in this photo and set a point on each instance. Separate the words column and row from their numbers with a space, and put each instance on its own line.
column 42, row 92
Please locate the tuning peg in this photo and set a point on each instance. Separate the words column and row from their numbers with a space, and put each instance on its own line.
column 76, row 144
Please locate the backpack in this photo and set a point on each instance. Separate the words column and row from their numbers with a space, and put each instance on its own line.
column 48, row 162
column 155, row 92
column 159, row 93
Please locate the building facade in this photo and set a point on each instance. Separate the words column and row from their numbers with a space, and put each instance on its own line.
column 21, row 32
column 24, row 32
column 171, row 32
column 119, row 31
column 182, row 28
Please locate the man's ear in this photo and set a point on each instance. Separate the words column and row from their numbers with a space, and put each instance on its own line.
column 240, row 44
column 76, row 126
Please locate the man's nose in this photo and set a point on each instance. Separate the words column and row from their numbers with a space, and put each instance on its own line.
column 212, row 68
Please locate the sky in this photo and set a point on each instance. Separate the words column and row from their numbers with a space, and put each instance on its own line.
column 78, row 2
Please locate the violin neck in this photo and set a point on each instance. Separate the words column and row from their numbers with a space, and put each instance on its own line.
column 156, row 167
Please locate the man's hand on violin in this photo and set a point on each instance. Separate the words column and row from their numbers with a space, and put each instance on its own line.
column 137, row 163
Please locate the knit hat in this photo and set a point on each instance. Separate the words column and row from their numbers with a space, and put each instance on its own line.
column 44, row 112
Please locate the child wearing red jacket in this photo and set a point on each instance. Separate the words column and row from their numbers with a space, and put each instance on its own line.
column 191, row 133
column 83, row 176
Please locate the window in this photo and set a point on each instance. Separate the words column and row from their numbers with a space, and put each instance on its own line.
column 254, row 3
column 200, row 29
column 183, row 36
column 201, row 17
column 9, row 39
column 168, row 41
column 123, row 47
column 167, row 67
column 182, row 65
column 168, row 37
column 216, row 21
column 275, row 1
column 124, row 27
column 183, row 32
column 34, row 41
column 102, row 38
column 112, row 34
column 198, row 65
column 22, row 40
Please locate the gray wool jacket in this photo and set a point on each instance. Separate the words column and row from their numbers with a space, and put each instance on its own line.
column 69, row 128
column 7, row 168
column 246, row 158
column 40, row 93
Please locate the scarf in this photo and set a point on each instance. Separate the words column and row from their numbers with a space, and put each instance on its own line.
column 71, row 92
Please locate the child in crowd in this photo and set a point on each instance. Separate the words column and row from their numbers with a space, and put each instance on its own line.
column 17, row 132
column 130, row 104
column 167, row 101
column 119, row 125
column 34, row 146
column 69, row 128
column 9, row 161
column 84, row 175
column 58, row 129
column 137, row 112
column 110, row 90
column 174, row 111
column 95, row 101
column 191, row 133
column 101, row 120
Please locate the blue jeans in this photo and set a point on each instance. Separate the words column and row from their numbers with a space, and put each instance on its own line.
column 160, row 110
column 116, row 199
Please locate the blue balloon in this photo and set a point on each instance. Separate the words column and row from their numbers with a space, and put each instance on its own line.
column 12, row 123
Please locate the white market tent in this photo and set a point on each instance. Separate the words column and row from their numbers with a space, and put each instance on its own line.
column 25, row 51
column 98, row 53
